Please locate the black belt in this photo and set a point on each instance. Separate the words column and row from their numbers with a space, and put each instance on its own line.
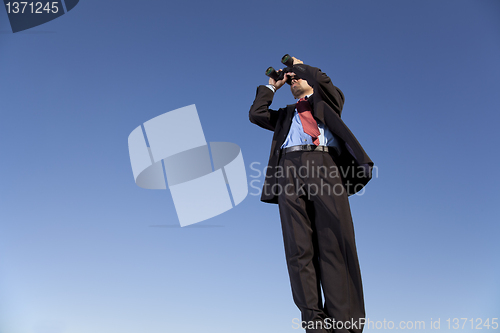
column 325, row 149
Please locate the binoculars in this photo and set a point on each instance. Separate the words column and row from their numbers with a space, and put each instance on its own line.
column 277, row 76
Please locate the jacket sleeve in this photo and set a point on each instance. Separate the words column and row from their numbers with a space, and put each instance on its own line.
column 322, row 85
column 260, row 114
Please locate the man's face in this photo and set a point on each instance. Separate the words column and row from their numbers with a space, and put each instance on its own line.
column 300, row 88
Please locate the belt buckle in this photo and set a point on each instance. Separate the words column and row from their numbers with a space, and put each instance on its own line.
column 318, row 148
column 308, row 148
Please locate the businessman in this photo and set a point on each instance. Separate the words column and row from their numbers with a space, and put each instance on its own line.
column 314, row 165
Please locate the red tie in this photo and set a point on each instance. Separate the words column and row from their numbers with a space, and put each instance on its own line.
column 309, row 124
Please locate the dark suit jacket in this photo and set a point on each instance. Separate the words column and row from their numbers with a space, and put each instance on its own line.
column 327, row 101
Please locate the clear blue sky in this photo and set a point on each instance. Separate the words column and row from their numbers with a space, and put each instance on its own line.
column 80, row 246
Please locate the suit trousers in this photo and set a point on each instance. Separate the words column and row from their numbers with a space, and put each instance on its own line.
column 320, row 249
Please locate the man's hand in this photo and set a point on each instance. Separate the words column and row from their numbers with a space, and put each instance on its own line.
column 280, row 83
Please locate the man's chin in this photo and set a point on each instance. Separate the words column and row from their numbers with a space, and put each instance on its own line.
column 296, row 92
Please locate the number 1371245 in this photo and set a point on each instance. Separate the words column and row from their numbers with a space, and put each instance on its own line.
column 31, row 7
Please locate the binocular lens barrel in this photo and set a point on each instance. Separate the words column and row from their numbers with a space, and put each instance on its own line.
column 271, row 72
column 287, row 60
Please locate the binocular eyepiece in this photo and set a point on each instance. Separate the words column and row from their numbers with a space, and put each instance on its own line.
column 277, row 76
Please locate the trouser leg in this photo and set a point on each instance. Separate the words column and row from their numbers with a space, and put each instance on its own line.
column 319, row 244
column 338, row 260
column 302, row 259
